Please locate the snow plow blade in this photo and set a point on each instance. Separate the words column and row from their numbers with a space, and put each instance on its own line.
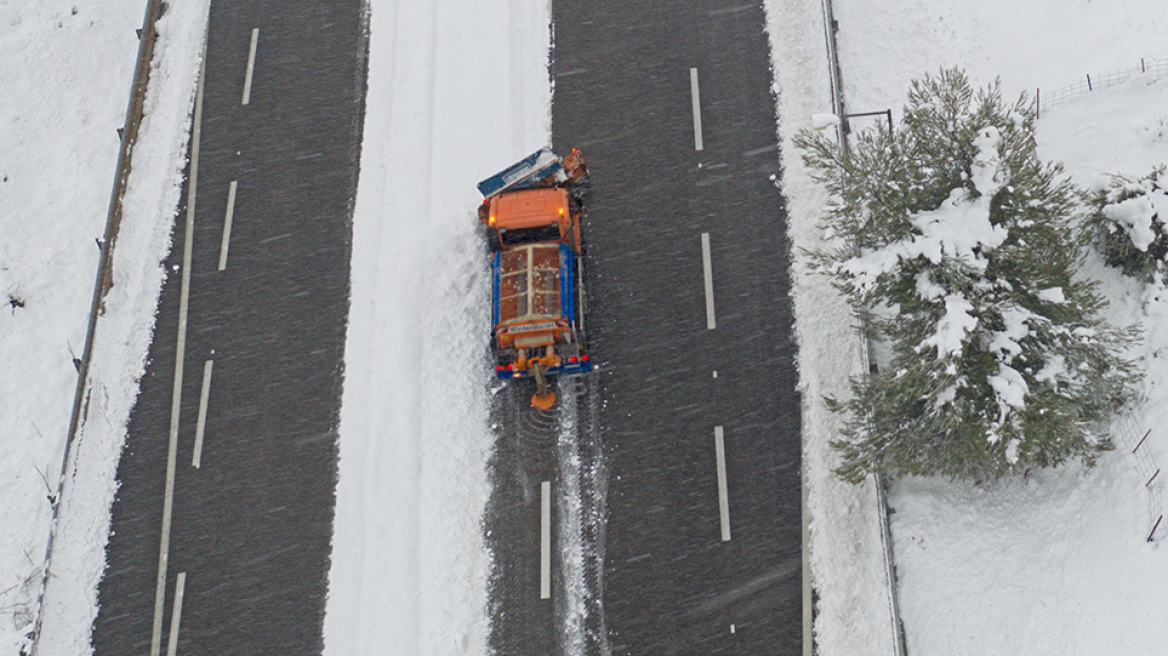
column 527, row 172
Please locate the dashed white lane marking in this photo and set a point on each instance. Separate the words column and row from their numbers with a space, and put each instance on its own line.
column 251, row 55
column 176, row 615
column 228, row 216
column 180, row 355
column 708, row 274
column 545, row 540
column 696, row 97
column 723, row 499
column 200, row 427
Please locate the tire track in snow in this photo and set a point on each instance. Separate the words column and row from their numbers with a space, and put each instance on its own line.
column 581, row 520
column 573, row 589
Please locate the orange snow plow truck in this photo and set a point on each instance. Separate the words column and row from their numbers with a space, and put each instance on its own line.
column 531, row 213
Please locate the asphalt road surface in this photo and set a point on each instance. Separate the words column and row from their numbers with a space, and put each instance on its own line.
column 222, row 525
column 689, row 437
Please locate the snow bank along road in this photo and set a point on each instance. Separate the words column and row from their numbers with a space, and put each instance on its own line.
column 222, row 523
column 691, row 325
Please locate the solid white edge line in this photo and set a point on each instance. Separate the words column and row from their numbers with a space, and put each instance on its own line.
column 708, row 274
column 251, row 55
column 696, row 98
column 180, row 354
column 723, row 498
column 228, row 216
column 545, row 540
column 176, row 615
column 200, row 427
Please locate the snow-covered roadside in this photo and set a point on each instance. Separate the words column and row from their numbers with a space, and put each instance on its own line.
column 1055, row 564
column 847, row 562
column 124, row 331
column 64, row 84
column 457, row 90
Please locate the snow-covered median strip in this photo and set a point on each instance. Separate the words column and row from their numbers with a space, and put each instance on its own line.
column 457, row 91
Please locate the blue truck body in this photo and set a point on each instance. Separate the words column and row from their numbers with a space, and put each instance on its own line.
column 568, row 292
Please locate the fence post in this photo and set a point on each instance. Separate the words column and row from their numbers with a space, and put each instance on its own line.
column 1141, row 442
column 1142, row 68
column 1089, row 82
column 1037, row 102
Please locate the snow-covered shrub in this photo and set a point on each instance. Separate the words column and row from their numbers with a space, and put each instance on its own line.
column 957, row 250
column 1127, row 224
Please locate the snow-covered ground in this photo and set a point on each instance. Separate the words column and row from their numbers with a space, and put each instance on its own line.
column 64, row 81
column 1055, row 564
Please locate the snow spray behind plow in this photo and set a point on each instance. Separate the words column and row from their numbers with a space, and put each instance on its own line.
column 536, row 450
column 580, row 520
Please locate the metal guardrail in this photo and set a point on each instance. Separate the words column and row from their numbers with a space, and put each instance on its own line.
column 837, row 103
column 837, row 93
column 147, row 37
column 1156, row 68
column 890, row 566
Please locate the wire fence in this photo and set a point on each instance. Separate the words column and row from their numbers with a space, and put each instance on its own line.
column 1129, row 435
column 1153, row 68
column 1131, row 438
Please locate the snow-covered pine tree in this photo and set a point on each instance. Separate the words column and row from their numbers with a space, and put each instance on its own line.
column 1127, row 224
column 957, row 251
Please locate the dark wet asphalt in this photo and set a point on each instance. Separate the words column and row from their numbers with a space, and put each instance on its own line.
column 252, row 526
column 662, row 581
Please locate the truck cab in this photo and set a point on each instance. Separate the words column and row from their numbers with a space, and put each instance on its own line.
column 532, row 215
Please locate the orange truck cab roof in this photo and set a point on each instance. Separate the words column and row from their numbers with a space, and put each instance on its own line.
column 530, row 208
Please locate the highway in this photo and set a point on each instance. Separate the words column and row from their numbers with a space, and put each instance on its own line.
column 688, row 439
column 656, row 511
column 221, row 528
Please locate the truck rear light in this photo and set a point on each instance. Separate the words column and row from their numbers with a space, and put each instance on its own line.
column 584, row 358
column 572, row 359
